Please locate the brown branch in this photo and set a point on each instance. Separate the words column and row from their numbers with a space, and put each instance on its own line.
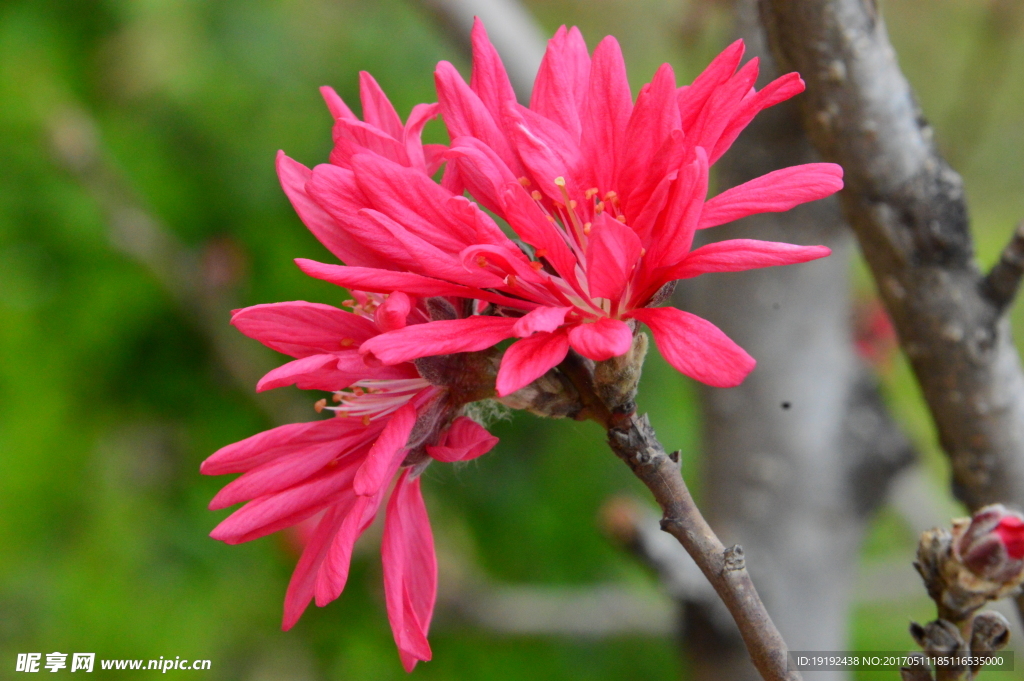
column 633, row 440
column 907, row 208
column 1003, row 280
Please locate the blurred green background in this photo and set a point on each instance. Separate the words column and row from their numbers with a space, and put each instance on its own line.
column 137, row 140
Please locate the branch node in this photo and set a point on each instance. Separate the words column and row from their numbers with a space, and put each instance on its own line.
column 670, row 522
column 734, row 559
column 1002, row 282
column 674, row 456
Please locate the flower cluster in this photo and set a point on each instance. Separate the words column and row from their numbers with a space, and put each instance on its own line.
column 561, row 226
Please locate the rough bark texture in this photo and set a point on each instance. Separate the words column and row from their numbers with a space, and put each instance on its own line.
column 800, row 454
column 907, row 208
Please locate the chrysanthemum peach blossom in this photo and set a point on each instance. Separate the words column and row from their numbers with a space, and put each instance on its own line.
column 605, row 195
column 340, row 468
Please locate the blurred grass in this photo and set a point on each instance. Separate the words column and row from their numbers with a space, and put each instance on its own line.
column 111, row 396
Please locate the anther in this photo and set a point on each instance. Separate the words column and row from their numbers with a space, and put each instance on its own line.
column 525, row 181
column 560, row 181
column 481, row 261
column 621, row 218
column 366, row 420
column 591, row 193
column 541, row 253
column 320, row 404
column 347, row 342
column 586, row 228
column 599, row 208
column 536, row 265
column 536, row 195
column 611, row 196
column 348, row 303
column 572, row 203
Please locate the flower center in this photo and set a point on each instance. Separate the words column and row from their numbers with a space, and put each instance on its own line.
column 373, row 398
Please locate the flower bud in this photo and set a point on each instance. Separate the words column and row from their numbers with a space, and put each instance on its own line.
column 992, row 546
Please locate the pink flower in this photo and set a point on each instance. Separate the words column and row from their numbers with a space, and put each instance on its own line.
column 992, row 545
column 604, row 194
column 339, row 469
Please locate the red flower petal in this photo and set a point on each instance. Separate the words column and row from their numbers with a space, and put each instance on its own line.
column 601, row 340
column 301, row 329
column 613, row 251
column 527, row 360
column 464, row 440
column 489, row 80
column 333, row 572
column 465, row 114
column 696, row 347
column 377, row 109
column 439, row 338
column 293, row 177
column 300, row 588
column 562, row 80
column 286, row 471
column 321, row 372
column 380, row 463
column 386, row 281
column 653, row 119
column 693, row 97
column 393, row 312
column 775, row 192
column 410, row 570
column 335, row 104
column 257, row 449
column 276, row 511
column 541, row 319
column 779, row 90
column 737, row 255
column 606, row 114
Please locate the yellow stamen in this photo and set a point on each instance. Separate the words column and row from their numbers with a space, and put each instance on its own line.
column 320, row 404
column 525, row 181
column 536, row 195
column 536, row 265
column 541, row 253
column 591, row 193
column 560, row 181
column 586, row 228
column 621, row 218
column 366, row 420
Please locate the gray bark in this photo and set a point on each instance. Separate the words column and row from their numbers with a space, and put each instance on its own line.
column 907, row 208
column 800, row 454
